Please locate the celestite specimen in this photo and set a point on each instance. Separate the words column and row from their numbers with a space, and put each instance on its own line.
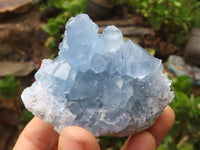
column 99, row 82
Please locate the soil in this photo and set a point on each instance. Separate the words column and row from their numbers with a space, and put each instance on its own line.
column 22, row 39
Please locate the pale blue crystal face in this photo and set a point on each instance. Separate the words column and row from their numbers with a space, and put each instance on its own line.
column 99, row 82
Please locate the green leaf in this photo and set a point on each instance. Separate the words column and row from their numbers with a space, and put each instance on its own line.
column 171, row 16
column 177, row 4
column 8, row 87
column 26, row 116
column 155, row 22
column 186, row 146
column 117, row 2
column 181, row 105
column 151, row 51
column 67, row 9
column 172, row 146
column 66, row 4
column 53, row 27
column 162, row 147
column 175, row 130
column 160, row 1
column 45, row 29
column 196, row 111
column 196, row 19
column 182, row 84
column 62, row 18
column 51, row 43
column 193, row 128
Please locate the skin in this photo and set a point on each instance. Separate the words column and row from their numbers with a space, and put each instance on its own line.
column 38, row 135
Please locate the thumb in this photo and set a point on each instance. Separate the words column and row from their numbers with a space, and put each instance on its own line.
column 77, row 138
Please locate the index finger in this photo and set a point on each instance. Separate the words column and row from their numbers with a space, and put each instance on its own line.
column 37, row 135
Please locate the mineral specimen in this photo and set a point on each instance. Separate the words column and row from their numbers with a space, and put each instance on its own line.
column 100, row 82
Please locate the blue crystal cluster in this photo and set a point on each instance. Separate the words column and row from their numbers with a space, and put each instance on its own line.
column 100, row 82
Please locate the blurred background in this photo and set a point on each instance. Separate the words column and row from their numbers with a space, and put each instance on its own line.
column 30, row 30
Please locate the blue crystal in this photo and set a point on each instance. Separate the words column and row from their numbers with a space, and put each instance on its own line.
column 100, row 82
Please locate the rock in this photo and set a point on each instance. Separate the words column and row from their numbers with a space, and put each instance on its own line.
column 131, row 28
column 6, row 51
column 192, row 52
column 16, row 68
column 6, row 136
column 9, row 117
column 133, row 31
column 11, row 5
column 131, row 21
column 8, row 8
column 98, row 9
column 177, row 65
column 21, row 38
column 103, row 3
column 8, row 127
column 12, row 141
column 100, row 82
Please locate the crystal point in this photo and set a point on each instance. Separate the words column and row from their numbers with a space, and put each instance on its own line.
column 100, row 82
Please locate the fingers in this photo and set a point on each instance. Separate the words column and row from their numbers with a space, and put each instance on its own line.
column 77, row 138
column 141, row 141
column 37, row 135
column 151, row 138
column 163, row 125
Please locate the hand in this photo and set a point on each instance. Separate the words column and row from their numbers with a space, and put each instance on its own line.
column 37, row 135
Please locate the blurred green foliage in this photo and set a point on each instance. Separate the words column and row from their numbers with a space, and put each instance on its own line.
column 182, row 84
column 197, row 18
column 66, row 9
column 151, row 51
column 173, row 18
column 8, row 87
column 26, row 116
column 111, row 142
column 118, row 2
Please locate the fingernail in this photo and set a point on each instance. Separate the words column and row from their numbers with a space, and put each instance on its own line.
column 67, row 142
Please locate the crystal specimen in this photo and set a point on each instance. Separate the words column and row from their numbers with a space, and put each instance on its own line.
column 99, row 82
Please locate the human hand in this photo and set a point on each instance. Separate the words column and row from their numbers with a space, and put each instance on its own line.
column 38, row 135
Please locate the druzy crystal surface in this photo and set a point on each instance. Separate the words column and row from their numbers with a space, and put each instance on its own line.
column 100, row 82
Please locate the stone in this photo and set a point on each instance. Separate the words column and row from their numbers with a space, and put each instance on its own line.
column 134, row 31
column 99, row 82
column 22, row 39
column 11, row 5
column 179, row 67
column 99, row 9
column 11, row 8
column 16, row 68
column 192, row 51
